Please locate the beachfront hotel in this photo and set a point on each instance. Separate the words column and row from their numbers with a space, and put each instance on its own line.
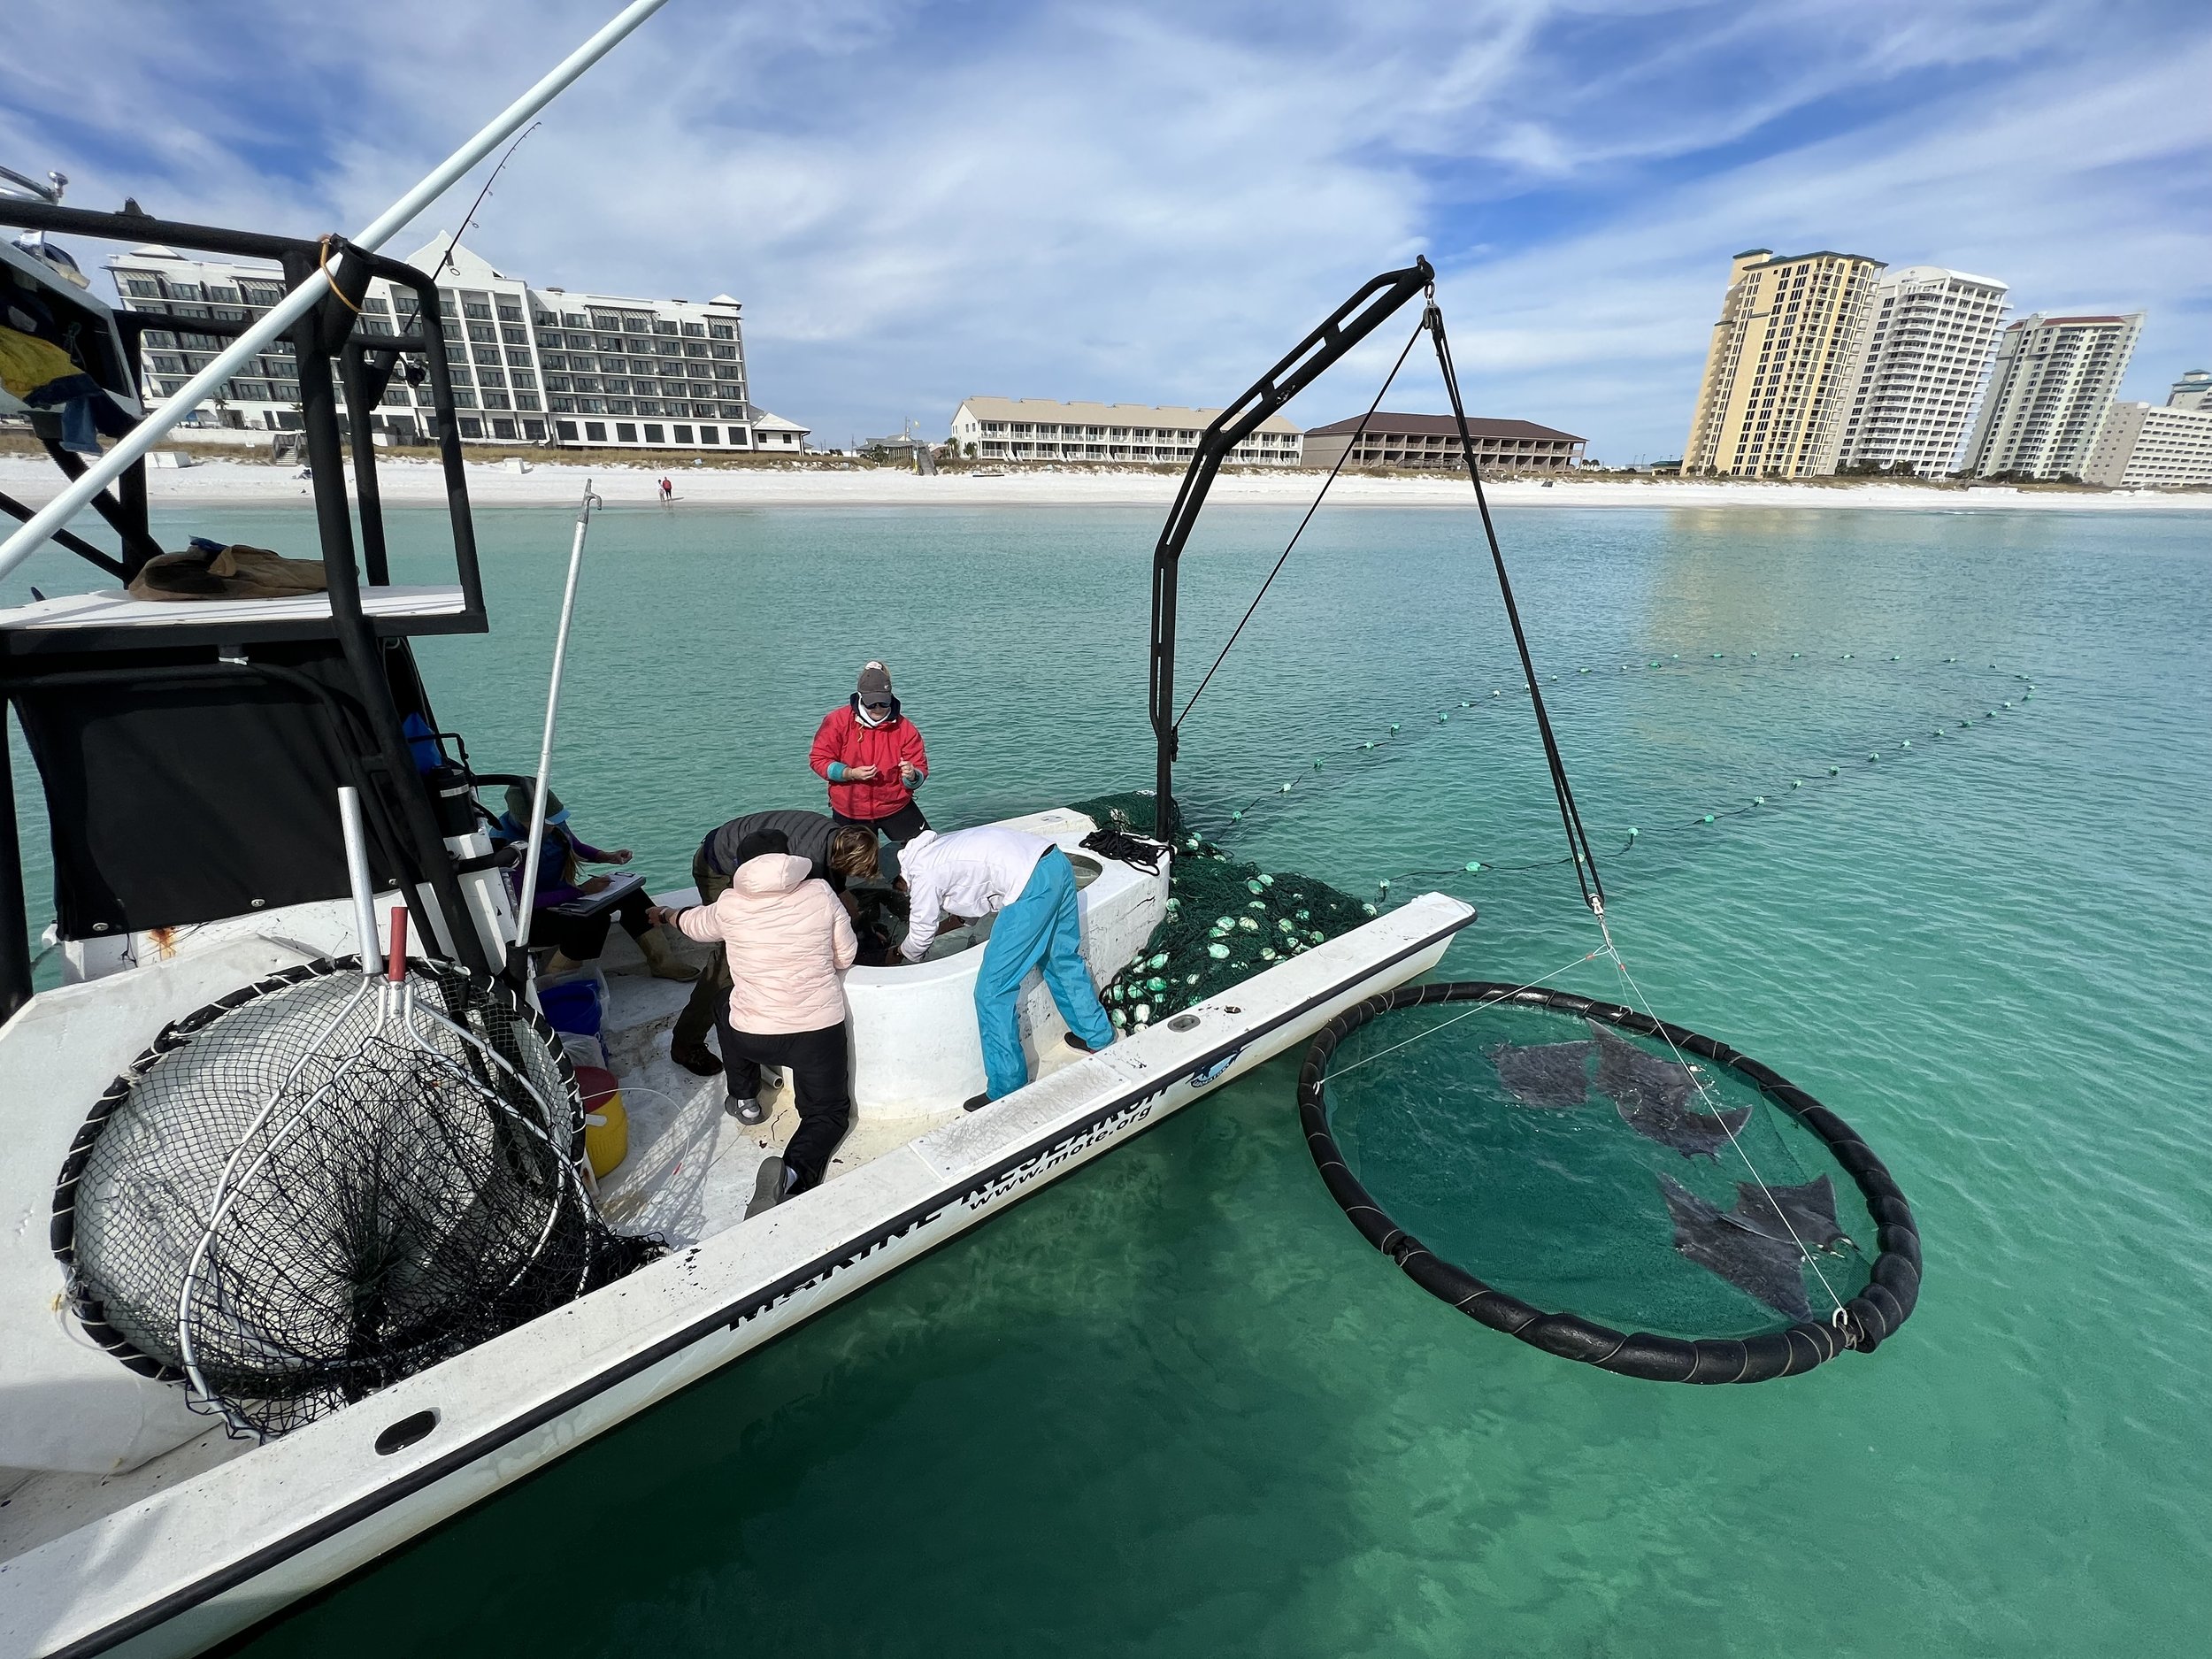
column 1915, row 372
column 1032, row 429
column 2144, row 446
column 1433, row 441
column 530, row 365
column 2050, row 391
column 1769, row 400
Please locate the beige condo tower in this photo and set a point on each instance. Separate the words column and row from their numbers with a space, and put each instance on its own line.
column 1773, row 388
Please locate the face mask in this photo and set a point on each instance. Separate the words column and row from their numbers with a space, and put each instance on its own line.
column 874, row 717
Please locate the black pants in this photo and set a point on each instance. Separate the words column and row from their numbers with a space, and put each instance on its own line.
column 580, row 938
column 900, row 828
column 821, row 1077
column 709, row 1007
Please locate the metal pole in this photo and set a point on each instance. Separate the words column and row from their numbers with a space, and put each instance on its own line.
column 357, row 877
column 304, row 298
column 525, row 903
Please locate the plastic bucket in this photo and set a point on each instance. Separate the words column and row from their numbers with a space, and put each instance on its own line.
column 606, row 1125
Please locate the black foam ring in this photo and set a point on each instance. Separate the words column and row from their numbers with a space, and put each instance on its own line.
column 1738, row 1233
column 388, row 1198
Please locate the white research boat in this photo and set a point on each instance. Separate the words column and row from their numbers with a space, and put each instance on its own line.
column 130, row 1521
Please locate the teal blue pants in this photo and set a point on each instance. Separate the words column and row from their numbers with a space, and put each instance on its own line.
column 1040, row 928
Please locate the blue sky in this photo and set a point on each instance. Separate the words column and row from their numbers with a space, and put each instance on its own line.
column 1150, row 202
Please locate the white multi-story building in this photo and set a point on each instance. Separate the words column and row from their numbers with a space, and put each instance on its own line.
column 2192, row 390
column 530, row 365
column 2049, row 389
column 2143, row 446
column 1915, row 372
column 1040, row 429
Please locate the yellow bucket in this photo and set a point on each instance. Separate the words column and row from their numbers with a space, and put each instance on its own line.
column 606, row 1125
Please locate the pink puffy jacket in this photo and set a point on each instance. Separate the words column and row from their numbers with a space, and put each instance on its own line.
column 787, row 938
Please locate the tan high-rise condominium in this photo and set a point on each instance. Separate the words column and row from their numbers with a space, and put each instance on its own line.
column 1773, row 390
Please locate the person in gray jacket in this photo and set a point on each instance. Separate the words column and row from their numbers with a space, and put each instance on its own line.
column 838, row 853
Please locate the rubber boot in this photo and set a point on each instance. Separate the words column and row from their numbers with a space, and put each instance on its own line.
column 661, row 959
column 559, row 962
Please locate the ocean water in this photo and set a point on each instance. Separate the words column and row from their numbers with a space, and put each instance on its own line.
column 1173, row 1404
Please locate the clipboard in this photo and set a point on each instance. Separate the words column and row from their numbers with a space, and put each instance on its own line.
column 617, row 888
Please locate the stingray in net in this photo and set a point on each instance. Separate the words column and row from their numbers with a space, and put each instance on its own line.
column 1652, row 1096
column 1755, row 1247
column 1462, row 1155
column 1547, row 1074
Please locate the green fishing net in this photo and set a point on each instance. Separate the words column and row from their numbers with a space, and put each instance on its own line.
column 1226, row 920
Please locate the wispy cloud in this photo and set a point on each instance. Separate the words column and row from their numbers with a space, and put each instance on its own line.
column 1151, row 202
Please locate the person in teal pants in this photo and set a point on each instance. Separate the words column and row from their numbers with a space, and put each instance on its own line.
column 1028, row 882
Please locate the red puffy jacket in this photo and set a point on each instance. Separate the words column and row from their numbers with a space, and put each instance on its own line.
column 842, row 738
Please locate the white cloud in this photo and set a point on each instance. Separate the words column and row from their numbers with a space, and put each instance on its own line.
column 1153, row 202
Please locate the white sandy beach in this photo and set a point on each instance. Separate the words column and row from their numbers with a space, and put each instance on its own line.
column 407, row 480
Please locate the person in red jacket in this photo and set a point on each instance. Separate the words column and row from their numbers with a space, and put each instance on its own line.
column 872, row 760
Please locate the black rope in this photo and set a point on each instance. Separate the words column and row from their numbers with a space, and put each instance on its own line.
column 1380, row 392
column 1578, row 839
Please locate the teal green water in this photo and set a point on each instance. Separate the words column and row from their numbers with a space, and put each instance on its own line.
column 1173, row 1404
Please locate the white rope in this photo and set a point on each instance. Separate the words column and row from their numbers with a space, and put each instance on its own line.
column 1489, row 1002
column 1720, row 1116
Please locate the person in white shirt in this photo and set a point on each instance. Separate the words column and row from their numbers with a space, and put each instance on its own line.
column 1028, row 882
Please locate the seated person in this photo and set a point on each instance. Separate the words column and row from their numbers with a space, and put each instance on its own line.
column 1028, row 881
column 786, row 939
column 576, row 940
column 835, row 853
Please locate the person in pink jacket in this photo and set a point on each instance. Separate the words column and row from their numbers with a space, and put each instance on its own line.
column 788, row 939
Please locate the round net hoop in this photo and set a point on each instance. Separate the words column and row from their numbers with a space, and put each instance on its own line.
column 1863, row 1323
column 322, row 1183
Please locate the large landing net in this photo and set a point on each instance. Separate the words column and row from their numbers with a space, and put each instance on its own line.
column 1606, row 1187
column 327, row 1182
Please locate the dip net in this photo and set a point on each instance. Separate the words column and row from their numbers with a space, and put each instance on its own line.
column 327, row 1182
column 1605, row 1185
column 1227, row 919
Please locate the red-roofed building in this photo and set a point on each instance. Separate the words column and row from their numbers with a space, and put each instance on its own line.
column 1433, row 441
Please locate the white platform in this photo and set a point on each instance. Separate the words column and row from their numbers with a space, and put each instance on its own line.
column 112, row 608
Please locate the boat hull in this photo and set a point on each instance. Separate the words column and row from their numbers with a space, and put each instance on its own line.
column 210, row 1557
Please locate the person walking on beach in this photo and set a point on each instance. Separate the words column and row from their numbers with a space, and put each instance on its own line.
column 668, row 492
column 1029, row 883
column 872, row 758
column 786, row 939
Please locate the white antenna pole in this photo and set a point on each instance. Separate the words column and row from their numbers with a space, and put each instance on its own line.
column 528, row 903
column 357, row 878
column 208, row 381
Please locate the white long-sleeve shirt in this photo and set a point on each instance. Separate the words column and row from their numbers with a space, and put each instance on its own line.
column 971, row 872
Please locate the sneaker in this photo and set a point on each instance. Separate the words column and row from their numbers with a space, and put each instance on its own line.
column 695, row 1057
column 747, row 1110
column 768, row 1186
column 975, row 1104
column 1078, row 1044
